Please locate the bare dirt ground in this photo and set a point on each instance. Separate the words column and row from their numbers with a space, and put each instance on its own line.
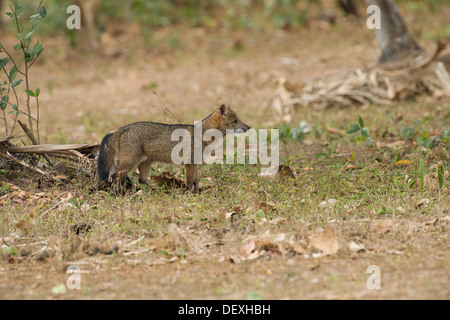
column 86, row 95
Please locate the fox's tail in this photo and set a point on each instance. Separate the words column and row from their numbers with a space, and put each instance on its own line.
column 108, row 149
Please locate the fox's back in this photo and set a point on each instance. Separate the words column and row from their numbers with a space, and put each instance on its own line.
column 152, row 140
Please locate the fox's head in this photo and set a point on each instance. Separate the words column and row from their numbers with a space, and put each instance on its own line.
column 225, row 118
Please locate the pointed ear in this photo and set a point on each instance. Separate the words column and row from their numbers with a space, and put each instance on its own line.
column 223, row 110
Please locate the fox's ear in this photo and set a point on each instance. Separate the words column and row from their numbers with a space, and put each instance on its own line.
column 223, row 110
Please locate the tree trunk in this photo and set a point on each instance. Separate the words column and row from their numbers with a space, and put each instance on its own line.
column 394, row 39
column 349, row 7
column 89, row 32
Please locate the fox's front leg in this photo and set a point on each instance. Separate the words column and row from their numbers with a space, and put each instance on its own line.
column 192, row 178
column 119, row 185
column 144, row 169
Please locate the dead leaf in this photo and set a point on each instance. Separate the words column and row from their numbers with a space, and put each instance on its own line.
column 248, row 248
column 336, row 131
column 162, row 261
column 325, row 241
column 266, row 206
column 229, row 215
column 431, row 182
column 351, row 167
column 395, row 252
column 10, row 260
column 392, row 145
column 169, row 180
column 61, row 168
column 179, row 238
column 285, row 173
column 300, row 247
column 24, row 225
column 422, row 203
column 401, row 209
column 235, row 211
column 235, row 259
column 383, row 226
column 355, row 247
column 328, row 203
column 434, row 222
column 81, row 228
column 267, row 272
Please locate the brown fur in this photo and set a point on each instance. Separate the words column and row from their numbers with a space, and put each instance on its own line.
column 142, row 143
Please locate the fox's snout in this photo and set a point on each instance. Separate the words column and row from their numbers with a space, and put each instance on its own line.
column 242, row 128
column 245, row 127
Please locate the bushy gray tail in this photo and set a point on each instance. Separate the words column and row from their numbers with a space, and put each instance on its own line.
column 108, row 149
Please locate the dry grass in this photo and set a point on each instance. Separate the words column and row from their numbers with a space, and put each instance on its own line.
column 244, row 236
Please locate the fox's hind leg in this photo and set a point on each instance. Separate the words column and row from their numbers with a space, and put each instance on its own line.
column 192, row 178
column 144, row 169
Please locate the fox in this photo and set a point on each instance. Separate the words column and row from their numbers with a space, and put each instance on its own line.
column 141, row 143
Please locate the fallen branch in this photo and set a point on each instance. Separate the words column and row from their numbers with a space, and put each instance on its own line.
column 77, row 150
column 52, row 208
column 30, row 136
column 376, row 85
column 8, row 156
column 425, row 62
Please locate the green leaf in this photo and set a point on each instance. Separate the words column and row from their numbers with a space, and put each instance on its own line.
column 28, row 57
column 43, row 12
column 10, row 250
column 9, row 14
column 3, row 63
column 35, row 19
column 12, row 74
column 18, row 7
column 59, row 289
column 441, row 176
column 16, row 109
column 361, row 122
column 253, row 296
column 18, row 46
column 319, row 155
column 4, row 102
column 30, row 93
column 261, row 214
column 365, row 133
column 355, row 128
column 429, row 142
column 38, row 92
column 20, row 36
column 37, row 49
column 421, row 174
column 17, row 82
column 29, row 34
